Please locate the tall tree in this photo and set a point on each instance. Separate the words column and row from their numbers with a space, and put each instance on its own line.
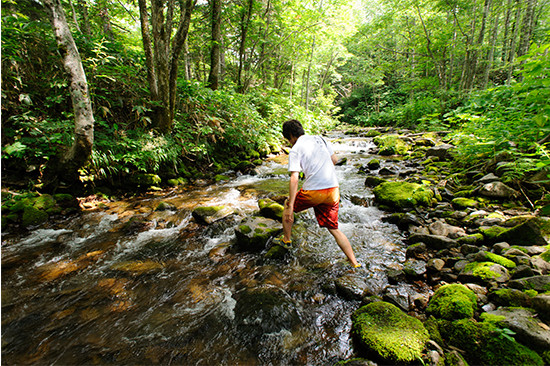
column 162, row 52
column 66, row 169
column 215, row 59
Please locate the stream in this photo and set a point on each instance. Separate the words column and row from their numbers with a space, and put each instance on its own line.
column 127, row 284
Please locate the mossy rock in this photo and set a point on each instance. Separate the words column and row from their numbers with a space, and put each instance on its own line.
column 533, row 231
column 471, row 239
column 509, row 297
column 373, row 133
column 495, row 258
column 43, row 202
column 254, row 232
column 33, row 216
column 209, row 214
column 145, row 180
column 453, row 301
column 390, row 145
column 485, row 345
column 491, row 233
column 546, row 255
column 271, row 209
column 276, row 252
column 486, row 272
column 372, row 181
column 373, row 164
column 463, row 202
column 221, row 178
column 382, row 328
column 177, row 182
column 403, row 194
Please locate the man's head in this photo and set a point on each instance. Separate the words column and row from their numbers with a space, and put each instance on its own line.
column 292, row 128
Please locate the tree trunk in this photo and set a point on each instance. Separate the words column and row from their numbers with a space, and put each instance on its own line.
column 491, row 55
column 86, row 26
column 512, row 54
column 245, row 22
column 505, row 40
column 79, row 153
column 162, row 55
column 309, row 73
column 214, row 77
column 527, row 27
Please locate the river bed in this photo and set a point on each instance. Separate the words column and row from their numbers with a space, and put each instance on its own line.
column 127, row 284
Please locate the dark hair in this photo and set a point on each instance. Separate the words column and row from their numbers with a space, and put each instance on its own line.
column 292, row 128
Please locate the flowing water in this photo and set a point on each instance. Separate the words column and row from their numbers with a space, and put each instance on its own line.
column 127, row 284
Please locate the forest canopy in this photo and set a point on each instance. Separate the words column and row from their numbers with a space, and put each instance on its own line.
column 182, row 88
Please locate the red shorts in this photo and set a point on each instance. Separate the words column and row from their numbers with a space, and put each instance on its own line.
column 325, row 203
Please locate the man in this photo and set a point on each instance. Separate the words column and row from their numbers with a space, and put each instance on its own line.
column 314, row 156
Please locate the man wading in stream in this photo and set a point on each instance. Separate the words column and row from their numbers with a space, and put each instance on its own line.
column 314, row 156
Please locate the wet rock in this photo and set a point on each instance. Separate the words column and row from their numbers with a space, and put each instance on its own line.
column 435, row 264
column 485, row 272
column 488, row 178
column 403, row 194
column 540, row 265
column 500, row 247
column 351, row 286
column 497, row 190
column 463, row 202
column 165, row 206
column 433, row 241
column 276, row 252
column 210, row 214
column 254, row 232
column 414, row 268
column 386, row 171
column 373, row 164
column 53, row 271
column 373, row 181
column 387, row 331
column 441, row 228
column 417, row 251
column 262, row 311
column 271, row 209
column 442, row 151
column 390, row 145
column 453, row 301
column 471, row 240
column 538, row 283
column 526, row 326
column 484, row 256
column 541, row 303
column 138, row 268
column 530, row 232
column 509, row 297
column 522, row 271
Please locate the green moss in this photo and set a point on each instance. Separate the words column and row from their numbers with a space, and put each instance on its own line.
column 546, row 255
column 33, row 216
column 206, row 211
column 146, row 179
column 391, row 144
column 245, row 229
column 44, row 202
column 485, row 344
column 462, row 202
column 403, row 194
column 492, row 232
column 481, row 270
column 453, row 301
column 433, row 329
column 495, row 258
column 471, row 239
column 509, row 297
column 492, row 318
column 383, row 328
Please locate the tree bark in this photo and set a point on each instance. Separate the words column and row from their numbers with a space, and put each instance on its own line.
column 527, row 27
column 491, row 54
column 79, row 153
column 512, row 54
column 245, row 23
column 86, row 26
column 162, row 54
column 214, row 76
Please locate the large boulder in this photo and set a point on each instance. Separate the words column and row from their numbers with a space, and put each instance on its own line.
column 526, row 326
column 486, row 272
column 532, row 231
column 390, row 145
column 497, row 190
column 442, row 151
column 484, row 345
column 254, row 232
column 403, row 194
column 538, row 283
column 271, row 209
column 209, row 214
column 453, row 301
column 383, row 329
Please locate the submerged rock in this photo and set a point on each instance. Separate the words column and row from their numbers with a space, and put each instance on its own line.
column 382, row 328
column 254, row 232
column 209, row 214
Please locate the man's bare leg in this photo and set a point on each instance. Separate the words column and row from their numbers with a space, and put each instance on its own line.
column 288, row 220
column 344, row 244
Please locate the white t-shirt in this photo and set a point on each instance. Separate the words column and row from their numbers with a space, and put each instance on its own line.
column 312, row 155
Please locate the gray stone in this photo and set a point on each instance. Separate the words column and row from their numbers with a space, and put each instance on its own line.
column 417, row 251
column 497, row 190
column 522, row 271
column 540, row 265
column 442, row 151
column 444, row 229
column 527, row 328
column 435, row 264
column 433, row 241
column 488, row 178
column 539, row 283
column 414, row 268
column 541, row 303
column 209, row 214
column 499, row 247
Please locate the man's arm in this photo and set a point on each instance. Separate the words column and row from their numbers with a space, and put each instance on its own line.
column 292, row 191
column 334, row 159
